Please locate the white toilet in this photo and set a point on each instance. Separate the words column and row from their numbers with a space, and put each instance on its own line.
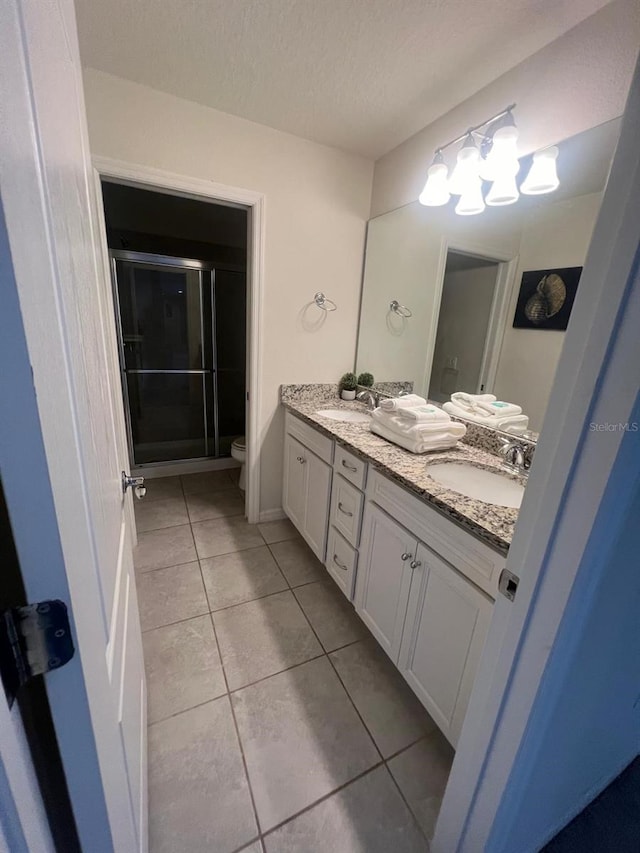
column 239, row 452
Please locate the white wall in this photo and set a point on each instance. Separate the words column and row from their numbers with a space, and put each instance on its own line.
column 555, row 235
column 575, row 83
column 317, row 204
column 465, row 311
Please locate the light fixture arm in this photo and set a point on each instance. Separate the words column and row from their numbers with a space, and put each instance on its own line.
column 476, row 128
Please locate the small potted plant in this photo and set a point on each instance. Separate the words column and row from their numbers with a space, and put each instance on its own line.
column 366, row 380
column 348, row 385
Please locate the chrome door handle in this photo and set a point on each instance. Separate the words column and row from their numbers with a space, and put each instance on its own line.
column 348, row 467
column 135, row 483
column 406, row 557
column 339, row 564
column 344, row 511
column 415, row 563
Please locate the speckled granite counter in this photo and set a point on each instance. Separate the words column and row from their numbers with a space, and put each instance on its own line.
column 493, row 524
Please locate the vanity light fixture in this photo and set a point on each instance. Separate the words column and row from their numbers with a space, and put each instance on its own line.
column 489, row 153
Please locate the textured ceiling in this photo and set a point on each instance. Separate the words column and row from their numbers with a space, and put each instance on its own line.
column 361, row 75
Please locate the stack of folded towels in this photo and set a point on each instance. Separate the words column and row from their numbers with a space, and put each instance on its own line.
column 487, row 410
column 412, row 423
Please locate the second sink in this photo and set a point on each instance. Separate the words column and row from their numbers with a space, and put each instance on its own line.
column 478, row 483
column 344, row 415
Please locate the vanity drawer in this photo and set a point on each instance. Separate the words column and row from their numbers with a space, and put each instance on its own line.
column 346, row 509
column 320, row 444
column 341, row 562
column 350, row 467
column 475, row 560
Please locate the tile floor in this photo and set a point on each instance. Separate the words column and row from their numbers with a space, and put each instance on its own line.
column 276, row 723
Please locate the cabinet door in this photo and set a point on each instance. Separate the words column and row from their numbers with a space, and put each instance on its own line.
column 294, row 485
column 445, row 630
column 384, row 578
column 317, row 498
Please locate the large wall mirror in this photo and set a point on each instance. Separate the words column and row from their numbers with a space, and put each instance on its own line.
column 480, row 303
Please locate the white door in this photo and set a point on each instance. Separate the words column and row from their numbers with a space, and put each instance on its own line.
column 62, row 446
column 294, row 486
column 446, row 626
column 384, row 578
column 317, row 498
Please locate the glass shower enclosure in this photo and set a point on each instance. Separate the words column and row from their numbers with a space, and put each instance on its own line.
column 182, row 340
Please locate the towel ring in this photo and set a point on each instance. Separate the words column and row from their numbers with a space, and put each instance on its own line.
column 400, row 310
column 323, row 302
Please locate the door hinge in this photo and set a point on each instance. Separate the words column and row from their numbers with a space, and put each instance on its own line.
column 34, row 639
column 508, row 584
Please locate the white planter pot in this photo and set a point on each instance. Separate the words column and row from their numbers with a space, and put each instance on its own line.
column 348, row 395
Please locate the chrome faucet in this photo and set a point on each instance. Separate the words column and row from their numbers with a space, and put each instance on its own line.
column 369, row 398
column 515, row 455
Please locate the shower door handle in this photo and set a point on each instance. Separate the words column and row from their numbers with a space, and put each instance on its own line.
column 135, row 483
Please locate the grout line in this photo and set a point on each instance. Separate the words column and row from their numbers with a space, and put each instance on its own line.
column 139, row 572
column 235, row 724
column 177, row 622
column 406, row 802
column 186, row 710
column 249, row 600
column 279, row 672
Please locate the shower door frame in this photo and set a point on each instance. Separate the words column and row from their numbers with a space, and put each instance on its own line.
column 175, row 263
column 145, row 177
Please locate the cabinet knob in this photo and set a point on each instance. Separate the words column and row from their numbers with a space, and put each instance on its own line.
column 415, row 563
column 301, row 459
column 406, row 557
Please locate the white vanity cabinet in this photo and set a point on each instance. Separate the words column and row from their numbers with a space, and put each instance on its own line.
column 307, row 485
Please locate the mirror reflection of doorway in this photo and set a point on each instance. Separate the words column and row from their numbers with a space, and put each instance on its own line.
column 460, row 353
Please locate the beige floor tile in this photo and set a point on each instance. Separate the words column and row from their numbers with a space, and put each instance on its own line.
column 301, row 738
column 225, row 535
column 297, row 562
column 163, row 512
column 207, row 481
column 204, row 505
column 158, row 549
column 162, row 487
column 368, row 816
column 277, row 531
column 241, row 576
column 183, row 667
column 422, row 772
column 263, row 637
column 198, row 793
column 333, row 618
column 389, row 708
column 171, row 595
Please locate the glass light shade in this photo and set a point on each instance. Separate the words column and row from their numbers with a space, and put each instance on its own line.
column 504, row 189
column 503, row 156
column 471, row 201
column 465, row 172
column 542, row 177
column 435, row 192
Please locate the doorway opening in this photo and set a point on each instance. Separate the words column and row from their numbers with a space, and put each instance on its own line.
column 179, row 269
column 466, row 331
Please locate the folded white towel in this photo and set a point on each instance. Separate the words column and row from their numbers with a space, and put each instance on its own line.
column 445, row 442
column 408, row 401
column 461, row 398
column 515, row 424
column 424, row 414
column 498, row 408
column 415, row 430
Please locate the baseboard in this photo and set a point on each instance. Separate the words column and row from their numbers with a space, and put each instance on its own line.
column 272, row 515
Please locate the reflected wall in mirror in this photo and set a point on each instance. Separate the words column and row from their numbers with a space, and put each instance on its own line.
column 460, row 276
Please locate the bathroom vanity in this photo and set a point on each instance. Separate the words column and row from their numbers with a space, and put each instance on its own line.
column 420, row 563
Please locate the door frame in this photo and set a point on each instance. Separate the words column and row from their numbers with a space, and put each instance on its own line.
column 507, row 268
column 201, row 190
column 596, row 380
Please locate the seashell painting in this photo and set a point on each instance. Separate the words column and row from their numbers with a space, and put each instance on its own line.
column 546, row 298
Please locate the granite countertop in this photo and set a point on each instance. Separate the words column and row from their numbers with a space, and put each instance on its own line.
column 493, row 524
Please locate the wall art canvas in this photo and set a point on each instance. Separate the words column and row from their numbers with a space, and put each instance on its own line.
column 546, row 298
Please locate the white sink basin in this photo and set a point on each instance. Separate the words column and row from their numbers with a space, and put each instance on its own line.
column 344, row 415
column 478, row 483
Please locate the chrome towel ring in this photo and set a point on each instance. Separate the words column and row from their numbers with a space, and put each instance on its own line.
column 401, row 310
column 323, row 302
